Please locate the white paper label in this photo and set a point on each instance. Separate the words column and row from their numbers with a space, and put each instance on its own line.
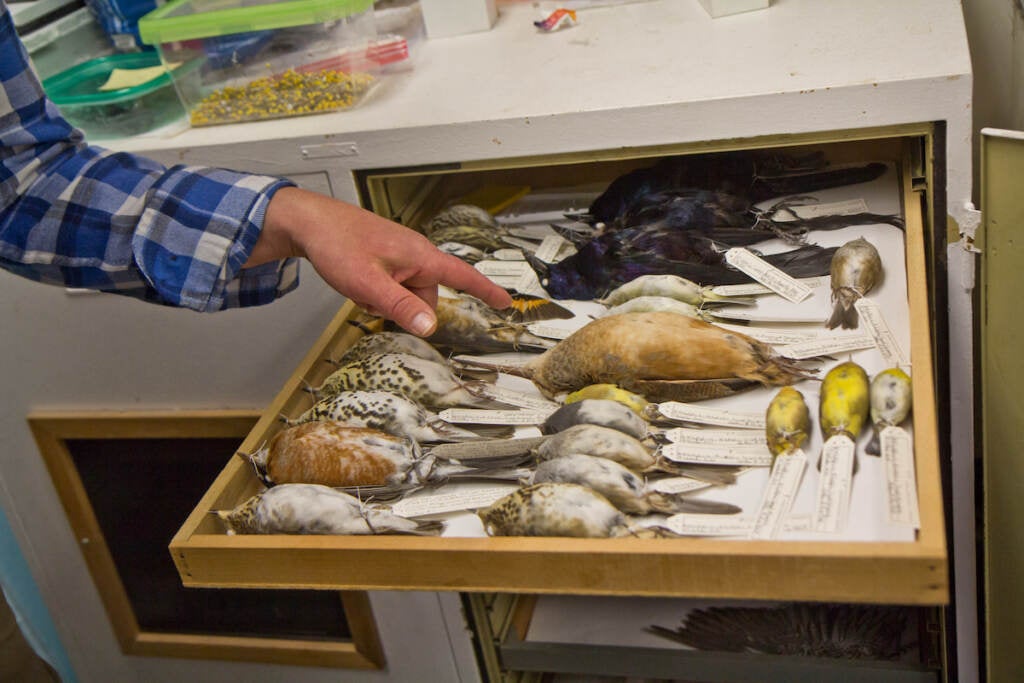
column 710, row 525
column 549, row 331
column 687, row 412
column 900, row 479
column 827, row 345
column 717, row 455
column 716, row 437
column 510, row 361
column 467, row 497
column 529, row 284
column 503, row 268
column 507, row 255
column 549, row 248
column 801, row 522
column 736, row 313
column 774, row 337
column 874, row 321
column 533, row 231
column 678, row 485
column 767, row 274
column 783, row 484
column 843, row 208
column 525, row 245
column 754, row 288
column 492, row 417
column 518, row 398
column 834, row 484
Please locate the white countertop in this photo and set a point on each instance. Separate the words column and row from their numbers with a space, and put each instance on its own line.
column 635, row 60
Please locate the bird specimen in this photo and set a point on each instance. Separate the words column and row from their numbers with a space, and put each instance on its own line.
column 625, row 450
column 433, row 385
column 844, row 402
column 316, row 509
column 681, row 215
column 671, row 286
column 610, row 392
column 856, row 268
column 830, row 630
column 389, row 342
column 891, row 398
column 660, row 355
column 604, row 412
column 622, row 487
column 554, row 509
column 393, row 414
column 787, row 422
column 465, row 323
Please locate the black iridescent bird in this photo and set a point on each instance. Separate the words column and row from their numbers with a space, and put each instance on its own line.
column 649, row 222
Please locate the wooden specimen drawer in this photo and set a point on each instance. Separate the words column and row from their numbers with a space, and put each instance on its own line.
column 880, row 568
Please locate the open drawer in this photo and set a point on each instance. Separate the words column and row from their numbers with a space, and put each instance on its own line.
column 911, row 570
column 710, row 641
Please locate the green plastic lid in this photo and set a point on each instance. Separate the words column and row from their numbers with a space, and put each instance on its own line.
column 81, row 83
column 191, row 19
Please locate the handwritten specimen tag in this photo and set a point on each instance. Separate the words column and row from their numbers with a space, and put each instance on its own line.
column 716, row 437
column 508, row 360
column 828, row 345
column 513, row 269
column 525, row 245
column 507, row 255
column 549, row 331
column 900, row 480
column 529, row 284
column 492, row 417
column 834, row 484
column 691, row 524
column 687, row 412
column 717, row 455
column 783, row 484
column 767, row 274
column 550, row 247
column 678, row 485
column 754, row 288
column 774, row 337
column 875, row 323
column 843, row 208
column 470, row 497
column 734, row 313
column 532, row 231
column 518, row 398
column 801, row 522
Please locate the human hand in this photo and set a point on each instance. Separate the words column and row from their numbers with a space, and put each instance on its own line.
column 382, row 266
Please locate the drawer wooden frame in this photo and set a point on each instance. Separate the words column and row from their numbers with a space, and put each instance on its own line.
column 880, row 572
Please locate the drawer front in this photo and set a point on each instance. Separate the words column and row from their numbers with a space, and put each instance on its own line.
column 907, row 570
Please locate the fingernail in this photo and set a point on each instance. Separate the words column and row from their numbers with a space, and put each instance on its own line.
column 423, row 324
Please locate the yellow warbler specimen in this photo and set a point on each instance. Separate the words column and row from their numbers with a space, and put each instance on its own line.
column 787, row 422
column 610, row 392
column 844, row 401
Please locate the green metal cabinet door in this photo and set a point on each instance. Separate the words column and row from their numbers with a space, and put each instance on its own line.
column 1002, row 406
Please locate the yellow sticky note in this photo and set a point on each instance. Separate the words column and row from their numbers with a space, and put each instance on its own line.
column 129, row 78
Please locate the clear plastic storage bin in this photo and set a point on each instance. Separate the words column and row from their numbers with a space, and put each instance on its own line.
column 265, row 59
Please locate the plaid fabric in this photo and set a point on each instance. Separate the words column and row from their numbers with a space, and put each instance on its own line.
column 77, row 215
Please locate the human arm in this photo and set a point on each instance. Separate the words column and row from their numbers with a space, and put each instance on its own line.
column 382, row 266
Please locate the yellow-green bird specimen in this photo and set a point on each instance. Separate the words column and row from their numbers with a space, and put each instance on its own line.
column 671, row 286
column 787, row 422
column 611, row 392
column 856, row 269
column 844, row 401
column 891, row 399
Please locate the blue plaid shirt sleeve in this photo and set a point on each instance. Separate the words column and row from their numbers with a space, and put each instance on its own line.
column 77, row 215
